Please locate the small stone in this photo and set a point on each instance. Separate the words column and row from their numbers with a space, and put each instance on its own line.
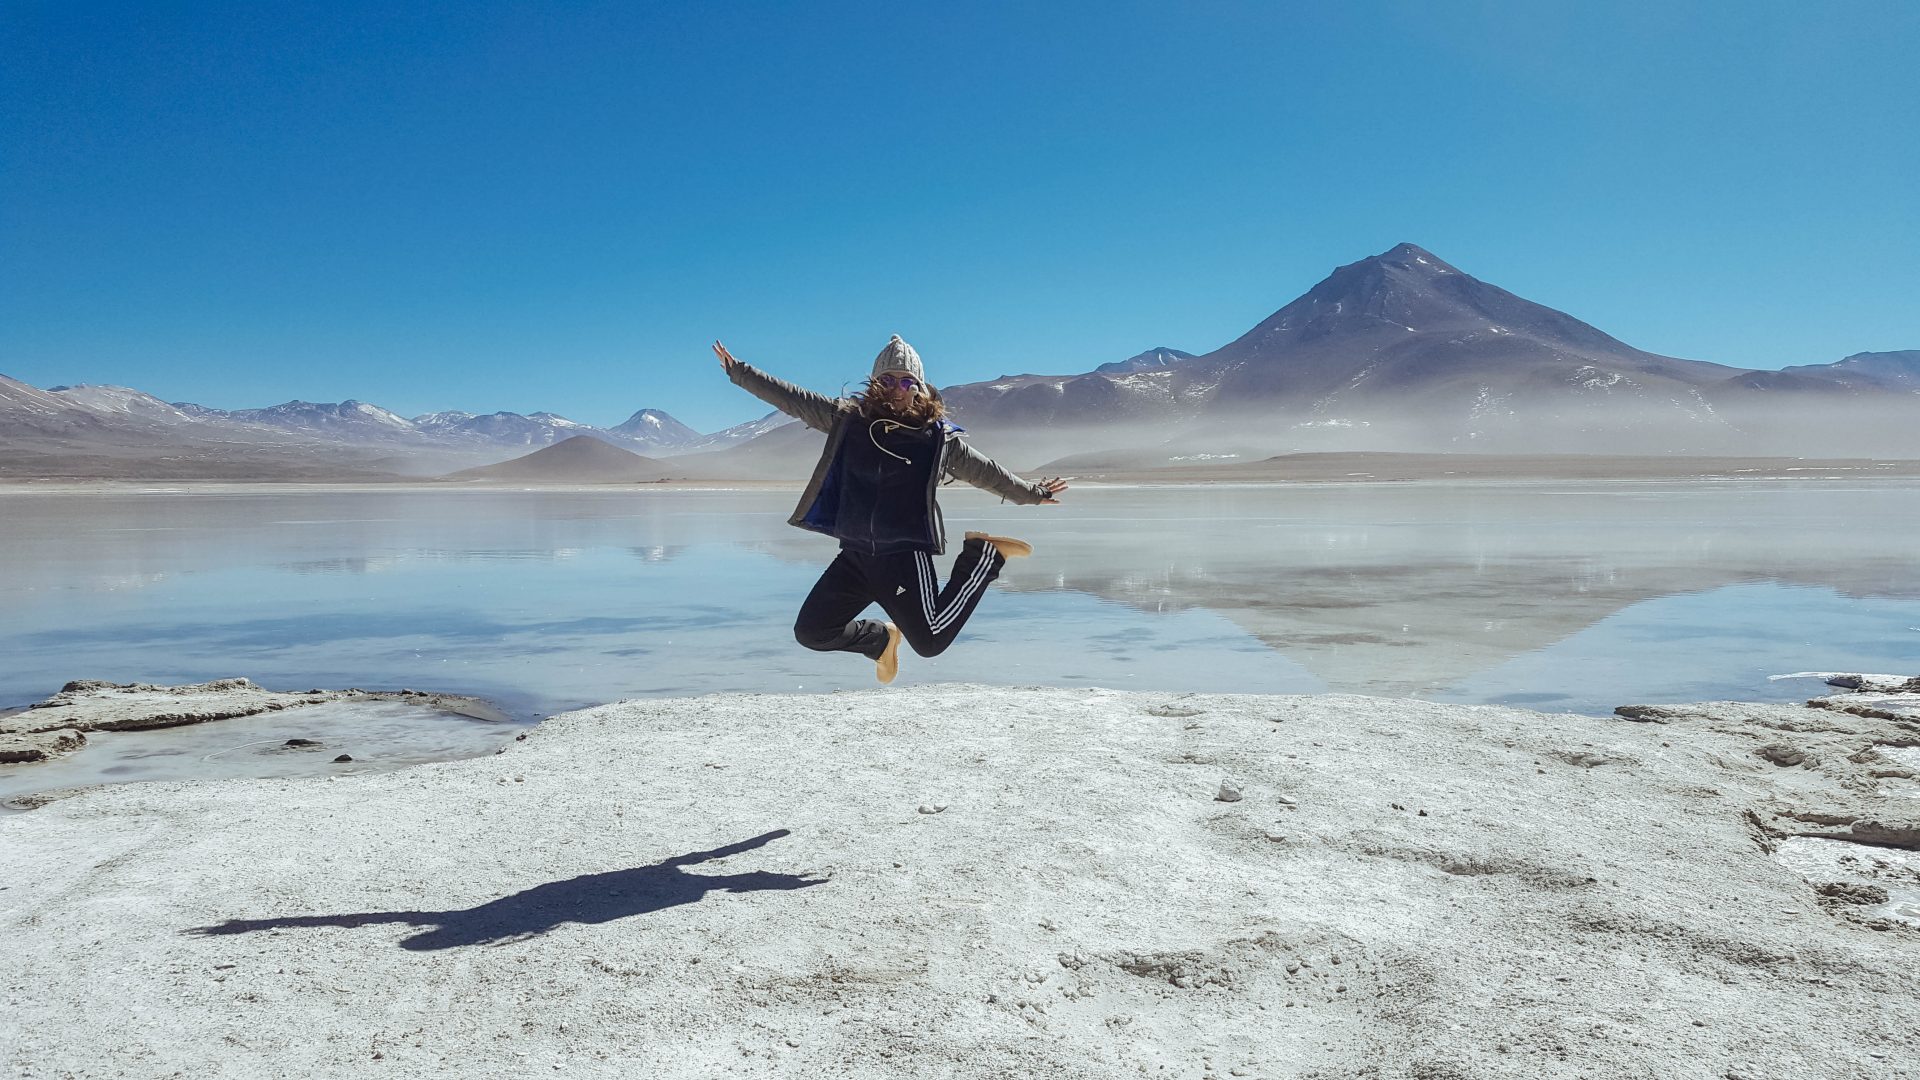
column 1786, row 756
column 301, row 742
column 1229, row 792
column 1285, row 800
column 932, row 808
column 343, row 757
column 519, row 779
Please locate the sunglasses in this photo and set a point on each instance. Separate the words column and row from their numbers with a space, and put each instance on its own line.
column 904, row 382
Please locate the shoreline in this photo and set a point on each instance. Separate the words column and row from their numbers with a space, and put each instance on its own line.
column 1359, row 468
column 967, row 880
column 58, row 725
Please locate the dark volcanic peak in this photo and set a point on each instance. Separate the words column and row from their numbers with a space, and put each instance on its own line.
column 1409, row 290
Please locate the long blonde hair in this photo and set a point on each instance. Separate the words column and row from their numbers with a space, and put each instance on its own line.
column 922, row 408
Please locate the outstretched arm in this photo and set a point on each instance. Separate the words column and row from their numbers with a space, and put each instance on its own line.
column 817, row 411
column 966, row 463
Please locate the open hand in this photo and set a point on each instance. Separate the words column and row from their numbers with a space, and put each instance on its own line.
column 1054, row 486
column 726, row 358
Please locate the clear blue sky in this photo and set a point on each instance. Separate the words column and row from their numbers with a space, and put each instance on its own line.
column 557, row 206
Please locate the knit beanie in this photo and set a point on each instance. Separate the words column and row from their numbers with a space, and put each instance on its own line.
column 899, row 356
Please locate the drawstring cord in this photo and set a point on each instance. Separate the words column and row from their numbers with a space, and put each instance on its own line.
column 892, row 426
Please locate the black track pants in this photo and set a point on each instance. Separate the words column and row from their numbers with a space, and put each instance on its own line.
column 907, row 587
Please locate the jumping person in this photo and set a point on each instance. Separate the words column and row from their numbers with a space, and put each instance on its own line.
column 888, row 447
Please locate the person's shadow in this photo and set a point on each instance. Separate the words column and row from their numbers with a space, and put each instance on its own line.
column 589, row 898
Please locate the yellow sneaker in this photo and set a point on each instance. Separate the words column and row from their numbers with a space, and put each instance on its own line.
column 1007, row 545
column 888, row 665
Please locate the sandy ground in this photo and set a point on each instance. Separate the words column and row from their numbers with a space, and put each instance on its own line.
column 958, row 881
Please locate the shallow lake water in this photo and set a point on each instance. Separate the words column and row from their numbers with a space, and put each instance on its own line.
column 1555, row 596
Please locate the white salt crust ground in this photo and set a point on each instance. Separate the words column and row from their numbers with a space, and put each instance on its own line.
column 1580, row 898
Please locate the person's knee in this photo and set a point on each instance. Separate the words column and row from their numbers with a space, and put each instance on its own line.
column 928, row 644
column 817, row 638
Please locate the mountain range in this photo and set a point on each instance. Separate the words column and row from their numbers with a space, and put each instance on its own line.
column 1397, row 351
column 117, row 431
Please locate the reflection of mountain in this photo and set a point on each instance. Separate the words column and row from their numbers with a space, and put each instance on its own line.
column 1397, row 591
column 1372, row 589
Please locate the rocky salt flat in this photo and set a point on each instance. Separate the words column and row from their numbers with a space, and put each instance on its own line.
column 963, row 881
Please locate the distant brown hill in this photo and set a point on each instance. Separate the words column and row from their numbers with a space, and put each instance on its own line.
column 582, row 459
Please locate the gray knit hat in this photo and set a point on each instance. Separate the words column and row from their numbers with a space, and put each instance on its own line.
column 899, row 356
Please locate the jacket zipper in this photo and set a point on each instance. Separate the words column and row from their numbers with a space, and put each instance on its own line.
column 873, row 514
